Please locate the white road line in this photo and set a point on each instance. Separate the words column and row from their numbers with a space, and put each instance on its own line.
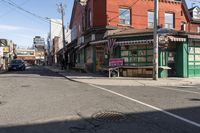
column 150, row 106
column 167, row 88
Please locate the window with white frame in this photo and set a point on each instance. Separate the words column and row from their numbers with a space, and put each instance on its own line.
column 150, row 19
column 124, row 16
column 169, row 20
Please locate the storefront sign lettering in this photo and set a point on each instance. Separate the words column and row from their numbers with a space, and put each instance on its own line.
column 116, row 62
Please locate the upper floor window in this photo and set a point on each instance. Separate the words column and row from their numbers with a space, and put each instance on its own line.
column 88, row 18
column 150, row 19
column 183, row 26
column 198, row 29
column 124, row 16
column 169, row 20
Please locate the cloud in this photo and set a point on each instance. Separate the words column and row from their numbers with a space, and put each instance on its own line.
column 9, row 27
column 15, row 28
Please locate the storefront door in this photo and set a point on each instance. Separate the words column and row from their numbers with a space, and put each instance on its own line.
column 99, row 57
column 171, row 64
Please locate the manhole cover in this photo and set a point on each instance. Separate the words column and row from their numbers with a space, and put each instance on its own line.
column 25, row 86
column 109, row 116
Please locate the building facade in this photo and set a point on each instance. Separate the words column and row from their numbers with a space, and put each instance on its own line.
column 39, row 46
column 55, row 31
column 7, row 53
column 123, row 29
column 27, row 55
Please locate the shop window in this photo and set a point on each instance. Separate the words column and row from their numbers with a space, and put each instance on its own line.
column 191, row 63
column 141, row 59
column 124, row 16
column 191, row 57
column 149, row 52
column 137, row 55
column 141, row 52
column 197, row 50
column 150, row 59
column 134, row 52
column 191, row 50
column 197, row 63
column 197, row 57
column 124, row 53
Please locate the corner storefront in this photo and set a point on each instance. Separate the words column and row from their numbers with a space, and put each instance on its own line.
column 137, row 53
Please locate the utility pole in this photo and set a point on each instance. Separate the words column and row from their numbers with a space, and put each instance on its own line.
column 155, row 45
column 61, row 10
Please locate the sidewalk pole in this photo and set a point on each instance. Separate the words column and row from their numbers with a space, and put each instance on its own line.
column 155, row 44
column 61, row 10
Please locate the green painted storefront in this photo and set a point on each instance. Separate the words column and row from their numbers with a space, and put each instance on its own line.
column 194, row 59
column 178, row 59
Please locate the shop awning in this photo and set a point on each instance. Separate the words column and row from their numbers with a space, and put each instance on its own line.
column 176, row 39
column 135, row 42
column 98, row 42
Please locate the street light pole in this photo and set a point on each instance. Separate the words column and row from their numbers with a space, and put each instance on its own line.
column 61, row 10
column 155, row 45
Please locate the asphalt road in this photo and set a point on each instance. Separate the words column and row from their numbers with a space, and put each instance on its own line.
column 40, row 101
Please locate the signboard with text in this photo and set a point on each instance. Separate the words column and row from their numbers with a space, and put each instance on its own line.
column 114, row 62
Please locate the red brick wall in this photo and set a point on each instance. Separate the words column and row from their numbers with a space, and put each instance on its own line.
column 106, row 12
column 139, row 11
column 77, row 18
column 99, row 18
column 193, row 27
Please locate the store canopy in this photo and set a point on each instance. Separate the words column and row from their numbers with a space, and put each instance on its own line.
column 135, row 42
column 176, row 39
column 98, row 42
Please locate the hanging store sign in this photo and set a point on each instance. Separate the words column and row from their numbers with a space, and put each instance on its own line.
column 6, row 49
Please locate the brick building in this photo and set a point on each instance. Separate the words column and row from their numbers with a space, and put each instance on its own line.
column 105, row 29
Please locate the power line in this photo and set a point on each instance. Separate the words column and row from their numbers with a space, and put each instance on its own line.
column 11, row 10
column 11, row 3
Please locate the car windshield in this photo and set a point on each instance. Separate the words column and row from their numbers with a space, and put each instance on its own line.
column 16, row 61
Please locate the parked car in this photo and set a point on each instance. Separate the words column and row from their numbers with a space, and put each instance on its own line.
column 16, row 65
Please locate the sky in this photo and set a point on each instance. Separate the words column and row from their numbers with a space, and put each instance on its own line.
column 21, row 27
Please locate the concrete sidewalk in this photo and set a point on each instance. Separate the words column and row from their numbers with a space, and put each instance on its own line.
column 90, row 78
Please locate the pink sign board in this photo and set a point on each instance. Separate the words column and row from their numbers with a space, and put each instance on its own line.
column 116, row 62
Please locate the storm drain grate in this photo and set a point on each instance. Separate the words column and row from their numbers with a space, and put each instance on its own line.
column 109, row 116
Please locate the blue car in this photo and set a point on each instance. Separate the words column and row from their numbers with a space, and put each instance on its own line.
column 17, row 65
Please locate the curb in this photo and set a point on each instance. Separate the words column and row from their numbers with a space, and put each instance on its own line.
column 141, row 83
column 3, row 72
